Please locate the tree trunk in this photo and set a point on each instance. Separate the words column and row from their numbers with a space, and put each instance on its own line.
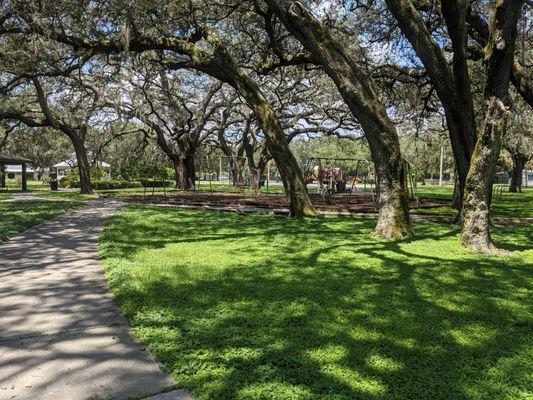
column 84, row 170
column 236, row 166
column 393, row 205
column 2, row 176
column 476, row 203
column 499, row 52
column 258, row 172
column 360, row 94
column 225, row 69
column 457, row 198
column 452, row 85
column 256, row 179
column 519, row 161
column 176, row 165
column 187, row 172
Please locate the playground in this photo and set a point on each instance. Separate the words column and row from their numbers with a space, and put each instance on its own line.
column 266, row 200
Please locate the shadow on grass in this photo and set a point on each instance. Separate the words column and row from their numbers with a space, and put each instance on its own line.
column 16, row 217
column 261, row 307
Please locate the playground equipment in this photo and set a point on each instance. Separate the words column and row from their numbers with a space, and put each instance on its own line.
column 208, row 172
column 234, row 170
column 497, row 190
column 153, row 176
column 332, row 178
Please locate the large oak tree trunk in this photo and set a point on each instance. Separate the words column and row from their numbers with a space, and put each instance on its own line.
column 499, row 52
column 84, row 170
column 236, row 166
column 519, row 161
column 187, row 172
column 360, row 94
column 476, row 203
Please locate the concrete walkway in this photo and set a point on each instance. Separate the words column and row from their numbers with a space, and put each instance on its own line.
column 61, row 335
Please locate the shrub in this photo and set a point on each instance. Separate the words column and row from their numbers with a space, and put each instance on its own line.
column 109, row 185
column 155, row 183
column 140, row 172
column 102, row 185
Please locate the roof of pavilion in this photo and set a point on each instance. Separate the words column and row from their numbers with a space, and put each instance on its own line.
column 9, row 159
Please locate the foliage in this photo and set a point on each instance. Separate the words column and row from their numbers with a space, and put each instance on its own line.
column 155, row 183
column 142, row 171
column 18, row 216
column 261, row 307
column 330, row 147
column 102, row 185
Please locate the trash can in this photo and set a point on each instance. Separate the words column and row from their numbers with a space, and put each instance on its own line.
column 54, row 184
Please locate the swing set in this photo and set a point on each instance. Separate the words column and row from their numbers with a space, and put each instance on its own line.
column 153, row 176
column 332, row 179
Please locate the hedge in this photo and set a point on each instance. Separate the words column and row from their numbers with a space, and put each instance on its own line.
column 155, row 183
column 102, row 185
column 116, row 184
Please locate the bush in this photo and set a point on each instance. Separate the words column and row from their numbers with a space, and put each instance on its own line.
column 155, row 183
column 109, row 185
column 102, row 185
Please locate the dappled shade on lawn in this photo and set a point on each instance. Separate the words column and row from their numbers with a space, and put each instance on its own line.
column 15, row 217
column 262, row 307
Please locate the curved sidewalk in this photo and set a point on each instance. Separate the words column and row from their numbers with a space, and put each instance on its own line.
column 61, row 335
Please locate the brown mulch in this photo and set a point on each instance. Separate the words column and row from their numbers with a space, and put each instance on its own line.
column 355, row 203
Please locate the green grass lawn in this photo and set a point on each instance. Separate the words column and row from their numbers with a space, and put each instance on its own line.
column 19, row 216
column 201, row 186
column 508, row 205
column 67, row 195
column 262, row 307
column 32, row 185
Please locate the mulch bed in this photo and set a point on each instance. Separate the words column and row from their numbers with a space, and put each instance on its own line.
column 355, row 203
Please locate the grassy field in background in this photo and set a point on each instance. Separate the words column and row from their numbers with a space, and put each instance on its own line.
column 67, row 195
column 507, row 205
column 17, row 217
column 263, row 307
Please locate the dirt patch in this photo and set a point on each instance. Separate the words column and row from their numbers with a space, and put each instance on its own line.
column 354, row 203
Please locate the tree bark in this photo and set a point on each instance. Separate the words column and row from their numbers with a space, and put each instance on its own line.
column 499, row 52
column 360, row 94
column 84, row 169
column 452, row 85
column 187, row 172
column 76, row 134
column 2, row 176
column 479, row 31
column 519, row 161
column 258, row 171
column 457, row 198
column 176, row 166
column 236, row 166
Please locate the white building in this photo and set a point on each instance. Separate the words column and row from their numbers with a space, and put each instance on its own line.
column 64, row 167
